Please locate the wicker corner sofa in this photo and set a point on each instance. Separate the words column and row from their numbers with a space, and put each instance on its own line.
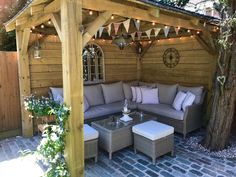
column 102, row 100
column 107, row 99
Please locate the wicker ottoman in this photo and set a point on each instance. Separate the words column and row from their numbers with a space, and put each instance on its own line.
column 153, row 139
column 90, row 142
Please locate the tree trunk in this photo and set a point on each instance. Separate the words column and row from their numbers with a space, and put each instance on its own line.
column 223, row 107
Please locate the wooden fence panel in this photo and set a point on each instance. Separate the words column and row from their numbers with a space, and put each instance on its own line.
column 10, row 115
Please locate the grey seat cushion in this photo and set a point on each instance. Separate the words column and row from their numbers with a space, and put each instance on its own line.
column 163, row 110
column 113, row 92
column 166, row 93
column 106, row 109
column 127, row 89
column 94, row 95
column 197, row 91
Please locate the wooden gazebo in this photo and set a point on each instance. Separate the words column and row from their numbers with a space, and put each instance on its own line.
column 75, row 25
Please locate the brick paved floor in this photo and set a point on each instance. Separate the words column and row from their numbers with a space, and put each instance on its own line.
column 186, row 162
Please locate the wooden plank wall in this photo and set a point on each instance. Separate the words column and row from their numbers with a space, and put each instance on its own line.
column 196, row 65
column 47, row 71
column 10, row 114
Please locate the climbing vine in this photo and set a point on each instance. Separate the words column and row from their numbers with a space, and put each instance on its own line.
column 52, row 146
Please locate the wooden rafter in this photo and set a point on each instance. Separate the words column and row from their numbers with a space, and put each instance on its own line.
column 94, row 26
column 56, row 20
column 205, row 45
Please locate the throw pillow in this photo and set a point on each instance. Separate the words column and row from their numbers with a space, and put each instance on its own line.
column 59, row 99
column 134, row 95
column 94, row 94
column 127, row 89
column 188, row 101
column 113, row 92
column 149, row 96
column 138, row 94
column 197, row 91
column 178, row 101
column 167, row 93
column 57, row 93
column 86, row 104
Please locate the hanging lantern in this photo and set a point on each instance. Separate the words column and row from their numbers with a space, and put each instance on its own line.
column 122, row 41
column 37, row 50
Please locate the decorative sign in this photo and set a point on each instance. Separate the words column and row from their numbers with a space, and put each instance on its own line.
column 171, row 57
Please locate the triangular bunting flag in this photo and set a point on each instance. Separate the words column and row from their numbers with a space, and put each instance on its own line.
column 137, row 24
column 133, row 36
column 126, row 24
column 148, row 32
column 166, row 30
column 116, row 27
column 177, row 30
column 100, row 31
column 156, row 31
column 109, row 29
column 139, row 33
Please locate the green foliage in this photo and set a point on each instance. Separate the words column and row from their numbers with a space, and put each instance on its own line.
column 52, row 146
column 179, row 3
column 8, row 40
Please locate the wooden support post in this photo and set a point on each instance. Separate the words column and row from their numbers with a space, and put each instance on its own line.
column 71, row 19
column 22, row 37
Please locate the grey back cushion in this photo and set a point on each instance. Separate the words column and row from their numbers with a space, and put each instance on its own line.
column 197, row 91
column 166, row 93
column 113, row 92
column 86, row 104
column 127, row 89
column 94, row 95
column 152, row 85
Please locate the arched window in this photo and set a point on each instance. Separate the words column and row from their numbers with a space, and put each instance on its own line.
column 93, row 61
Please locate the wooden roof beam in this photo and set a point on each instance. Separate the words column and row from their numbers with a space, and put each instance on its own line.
column 36, row 9
column 150, row 14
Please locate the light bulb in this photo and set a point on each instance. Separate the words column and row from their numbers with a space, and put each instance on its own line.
column 90, row 12
column 112, row 17
column 42, row 26
column 153, row 23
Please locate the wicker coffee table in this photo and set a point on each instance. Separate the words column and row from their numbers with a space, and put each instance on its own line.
column 115, row 135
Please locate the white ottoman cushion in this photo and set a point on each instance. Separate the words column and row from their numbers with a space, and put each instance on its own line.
column 90, row 133
column 153, row 130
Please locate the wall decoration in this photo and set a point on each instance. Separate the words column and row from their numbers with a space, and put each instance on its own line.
column 171, row 57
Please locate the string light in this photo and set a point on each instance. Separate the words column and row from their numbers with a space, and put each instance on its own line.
column 112, row 17
column 189, row 31
column 49, row 22
column 166, row 27
column 153, row 23
column 158, row 40
column 178, row 28
column 93, row 39
column 31, row 31
column 191, row 36
column 103, row 40
column 138, row 21
column 198, row 32
column 149, row 42
column 90, row 12
column 180, row 38
column 40, row 35
column 42, row 26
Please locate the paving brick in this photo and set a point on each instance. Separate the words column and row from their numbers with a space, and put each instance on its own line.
column 140, row 167
column 166, row 174
column 178, row 169
column 195, row 166
column 151, row 173
column 196, row 172
column 209, row 172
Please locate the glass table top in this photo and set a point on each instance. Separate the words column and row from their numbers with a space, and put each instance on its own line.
column 113, row 122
